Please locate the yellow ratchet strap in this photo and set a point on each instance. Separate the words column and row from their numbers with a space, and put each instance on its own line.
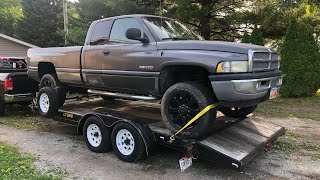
column 201, row 113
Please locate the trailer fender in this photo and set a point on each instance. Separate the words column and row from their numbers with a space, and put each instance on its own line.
column 146, row 134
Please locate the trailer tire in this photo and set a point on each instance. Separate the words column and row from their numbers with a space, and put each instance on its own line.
column 51, row 80
column 127, row 143
column 181, row 102
column 97, row 135
column 237, row 112
column 107, row 98
column 2, row 108
column 47, row 101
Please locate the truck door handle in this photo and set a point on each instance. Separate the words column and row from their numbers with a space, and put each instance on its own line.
column 106, row 52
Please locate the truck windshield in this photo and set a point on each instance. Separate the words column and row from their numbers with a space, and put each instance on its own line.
column 168, row 29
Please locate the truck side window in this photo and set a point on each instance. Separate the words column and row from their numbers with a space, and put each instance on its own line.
column 119, row 29
column 99, row 33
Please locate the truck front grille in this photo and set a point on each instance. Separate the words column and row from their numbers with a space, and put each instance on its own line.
column 263, row 61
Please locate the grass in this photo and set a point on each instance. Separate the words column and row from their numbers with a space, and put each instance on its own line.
column 18, row 166
column 23, row 118
column 306, row 108
column 292, row 142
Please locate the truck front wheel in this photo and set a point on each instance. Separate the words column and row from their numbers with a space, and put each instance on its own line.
column 181, row 102
column 237, row 112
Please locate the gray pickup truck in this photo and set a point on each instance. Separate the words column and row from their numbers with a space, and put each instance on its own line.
column 145, row 57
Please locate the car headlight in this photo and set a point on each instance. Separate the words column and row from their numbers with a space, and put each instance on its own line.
column 232, row 66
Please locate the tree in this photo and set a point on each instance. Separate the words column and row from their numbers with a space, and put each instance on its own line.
column 42, row 24
column 10, row 13
column 246, row 38
column 82, row 13
column 90, row 10
column 213, row 19
column 300, row 62
column 256, row 37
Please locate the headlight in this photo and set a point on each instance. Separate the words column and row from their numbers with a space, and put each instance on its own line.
column 232, row 66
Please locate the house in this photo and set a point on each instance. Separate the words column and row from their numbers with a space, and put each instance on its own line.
column 13, row 48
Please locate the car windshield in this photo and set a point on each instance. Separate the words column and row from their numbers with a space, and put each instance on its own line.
column 168, row 29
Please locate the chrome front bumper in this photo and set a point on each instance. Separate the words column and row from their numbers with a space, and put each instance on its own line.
column 11, row 98
column 246, row 89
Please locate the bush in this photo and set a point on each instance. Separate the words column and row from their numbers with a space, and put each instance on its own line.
column 256, row 37
column 246, row 38
column 299, row 62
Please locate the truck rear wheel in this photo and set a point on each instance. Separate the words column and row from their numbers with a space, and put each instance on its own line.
column 47, row 102
column 181, row 102
column 237, row 112
column 51, row 80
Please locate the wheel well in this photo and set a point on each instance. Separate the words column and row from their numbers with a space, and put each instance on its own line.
column 174, row 74
column 45, row 68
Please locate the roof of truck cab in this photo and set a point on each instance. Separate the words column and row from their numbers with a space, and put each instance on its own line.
column 129, row 15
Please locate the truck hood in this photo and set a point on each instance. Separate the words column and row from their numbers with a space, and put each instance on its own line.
column 209, row 46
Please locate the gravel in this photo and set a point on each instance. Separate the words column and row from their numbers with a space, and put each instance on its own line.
column 62, row 148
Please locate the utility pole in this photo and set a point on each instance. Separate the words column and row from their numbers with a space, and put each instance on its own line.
column 65, row 20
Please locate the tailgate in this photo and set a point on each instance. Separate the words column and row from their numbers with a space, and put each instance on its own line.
column 22, row 83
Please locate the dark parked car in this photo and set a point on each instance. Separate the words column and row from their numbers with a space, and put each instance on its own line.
column 16, row 87
column 151, row 57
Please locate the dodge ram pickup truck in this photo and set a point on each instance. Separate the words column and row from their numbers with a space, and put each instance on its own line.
column 146, row 57
column 15, row 85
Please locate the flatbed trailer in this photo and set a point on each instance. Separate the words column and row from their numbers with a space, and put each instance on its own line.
column 234, row 142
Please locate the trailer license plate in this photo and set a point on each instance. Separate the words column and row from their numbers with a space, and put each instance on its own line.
column 185, row 163
column 273, row 93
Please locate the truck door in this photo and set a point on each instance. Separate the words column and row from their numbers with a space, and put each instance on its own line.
column 128, row 65
column 93, row 53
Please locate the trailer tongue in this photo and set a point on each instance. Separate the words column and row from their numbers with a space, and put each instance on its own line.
column 234, row 142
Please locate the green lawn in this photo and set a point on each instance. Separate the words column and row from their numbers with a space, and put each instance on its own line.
column 23, row 118
column 306, row 107
column 14, row 165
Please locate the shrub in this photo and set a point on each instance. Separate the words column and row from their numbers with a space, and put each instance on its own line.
column 300, row 62
column 256, row 37
column 246, row 38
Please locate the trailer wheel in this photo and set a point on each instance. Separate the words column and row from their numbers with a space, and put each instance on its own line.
column 181, row 102
column 51, row 80
column 107, row 98
column 2, row 108
column 96, row 135
column 47, row 101
column 237, row 112
column 127, row 143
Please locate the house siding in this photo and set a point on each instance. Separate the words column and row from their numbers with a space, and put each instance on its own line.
column 12, row 49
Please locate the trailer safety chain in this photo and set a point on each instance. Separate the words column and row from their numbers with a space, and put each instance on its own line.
column 195, row 118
